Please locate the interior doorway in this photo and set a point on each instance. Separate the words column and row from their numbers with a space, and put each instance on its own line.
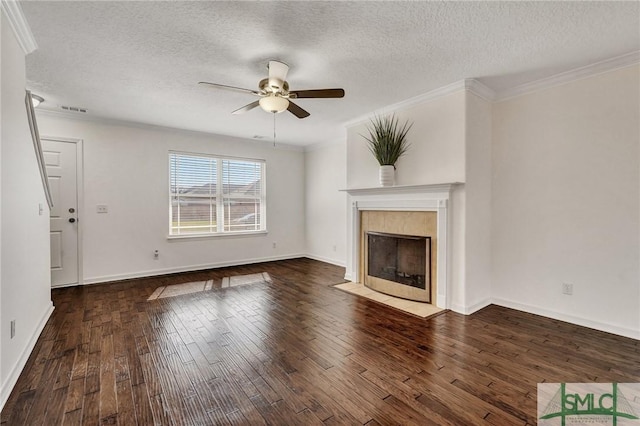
column 63, row 160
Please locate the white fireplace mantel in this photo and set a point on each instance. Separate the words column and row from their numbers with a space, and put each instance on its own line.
column 403, row 189
column 433, row 197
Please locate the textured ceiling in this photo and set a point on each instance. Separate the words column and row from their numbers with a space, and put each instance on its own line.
column 140, row 61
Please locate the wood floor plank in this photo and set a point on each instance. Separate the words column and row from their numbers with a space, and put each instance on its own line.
column 126, row 409
column 91, row 409
column 72, row 418
column 142, row 404
column 294, row 351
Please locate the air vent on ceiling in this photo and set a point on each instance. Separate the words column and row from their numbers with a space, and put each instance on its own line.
column 73, row 109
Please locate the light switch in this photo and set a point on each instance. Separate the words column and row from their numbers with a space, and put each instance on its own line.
column 102, row 208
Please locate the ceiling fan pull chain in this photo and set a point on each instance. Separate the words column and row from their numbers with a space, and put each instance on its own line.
column 274, row 129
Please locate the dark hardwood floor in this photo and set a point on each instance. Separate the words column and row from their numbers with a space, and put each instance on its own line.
column 295, row 351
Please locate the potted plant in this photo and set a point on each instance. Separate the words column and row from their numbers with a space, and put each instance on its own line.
column 387, row 142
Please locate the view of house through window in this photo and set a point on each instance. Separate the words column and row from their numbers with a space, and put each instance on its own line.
column 213, row 195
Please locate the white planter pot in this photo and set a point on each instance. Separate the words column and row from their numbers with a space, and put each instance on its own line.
column 387, row 175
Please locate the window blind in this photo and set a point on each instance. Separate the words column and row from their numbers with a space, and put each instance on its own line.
column 210, row 195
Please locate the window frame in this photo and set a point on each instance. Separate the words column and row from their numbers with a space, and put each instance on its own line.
column 220, row 197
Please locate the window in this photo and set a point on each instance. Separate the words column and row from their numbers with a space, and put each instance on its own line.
column 215, row 195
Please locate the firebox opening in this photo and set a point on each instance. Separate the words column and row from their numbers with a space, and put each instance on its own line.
column 402, row 259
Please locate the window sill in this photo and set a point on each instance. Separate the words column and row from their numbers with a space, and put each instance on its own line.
column 221, row 235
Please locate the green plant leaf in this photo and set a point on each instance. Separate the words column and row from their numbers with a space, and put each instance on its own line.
column 387, row 139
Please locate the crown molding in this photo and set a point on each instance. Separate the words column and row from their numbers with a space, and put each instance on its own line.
column 470, row 85
column 479, row 89
column 591, row 70
column 19, row 25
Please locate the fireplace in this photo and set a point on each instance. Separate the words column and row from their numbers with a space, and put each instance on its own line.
column 403, row 259
column 396, row 253
column 412, row 210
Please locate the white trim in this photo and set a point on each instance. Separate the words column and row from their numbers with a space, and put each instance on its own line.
column 469, row 84
column 19, row 25
column 79, row 194
column 474, row 86
column 15, row 372
column 238, row 234
column 326, row 260
column 189, row 268
column 591, row 70
column 584, row 322
column 468, row 310
column 403, row 189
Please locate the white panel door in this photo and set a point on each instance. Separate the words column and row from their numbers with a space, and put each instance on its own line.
column 60, row 160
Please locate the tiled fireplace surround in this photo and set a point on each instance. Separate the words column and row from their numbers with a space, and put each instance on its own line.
column 409, row 198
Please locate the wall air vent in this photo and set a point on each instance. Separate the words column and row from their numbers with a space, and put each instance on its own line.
column 73, row 109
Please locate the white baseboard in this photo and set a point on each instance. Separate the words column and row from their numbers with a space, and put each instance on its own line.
column 609, row 328
column 468, row 310
column 14, row 374
column 190, row 268
column 326, row 260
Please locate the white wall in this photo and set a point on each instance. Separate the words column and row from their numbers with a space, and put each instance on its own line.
column 566, row 201
column 126, row 168
column 437, row 150
column 24, row 249
column 326, row 206
column 477, row 190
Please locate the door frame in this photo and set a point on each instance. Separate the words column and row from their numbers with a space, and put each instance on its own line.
column 79, row 143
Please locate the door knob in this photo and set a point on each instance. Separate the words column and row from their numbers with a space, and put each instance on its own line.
column 72, row 220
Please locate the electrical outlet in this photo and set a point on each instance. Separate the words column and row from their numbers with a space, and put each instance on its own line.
column 156, row 254
column 102, row 208
column 13, row 328
column 274, row 244
column 334, row 248
column 567, row 288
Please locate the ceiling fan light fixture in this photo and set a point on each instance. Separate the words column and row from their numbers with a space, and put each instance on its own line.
column 274, row 104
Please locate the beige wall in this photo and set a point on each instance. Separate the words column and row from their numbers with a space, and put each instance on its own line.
column 566, row 201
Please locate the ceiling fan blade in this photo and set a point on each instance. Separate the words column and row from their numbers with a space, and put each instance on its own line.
column 317, row 93
column 277, row 74
column 225, row 87
column 247, row 107
column 297, row 111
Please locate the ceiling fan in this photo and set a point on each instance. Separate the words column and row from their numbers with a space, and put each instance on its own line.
column 274, row 93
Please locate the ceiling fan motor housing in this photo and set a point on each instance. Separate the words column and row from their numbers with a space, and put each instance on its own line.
column 266, row 86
